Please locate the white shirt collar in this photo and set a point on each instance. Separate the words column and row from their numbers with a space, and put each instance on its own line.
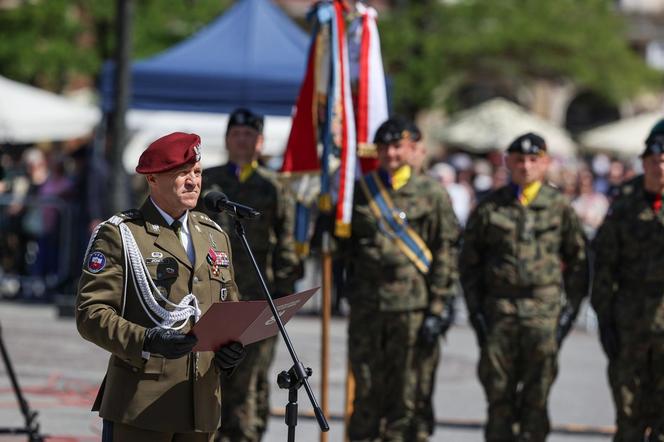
column 169, row 219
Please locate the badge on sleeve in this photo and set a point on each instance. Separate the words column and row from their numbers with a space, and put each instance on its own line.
column 96, row 262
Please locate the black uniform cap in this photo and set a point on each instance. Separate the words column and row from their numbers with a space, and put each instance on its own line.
column 414, row 131
column 391, row 131
column 655, row 140
column 244, row 117
column 529, row 144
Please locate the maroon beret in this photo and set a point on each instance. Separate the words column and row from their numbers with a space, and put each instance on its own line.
column 168, row 152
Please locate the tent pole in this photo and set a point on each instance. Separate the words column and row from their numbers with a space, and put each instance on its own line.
column 124, row 23
column 325, row 334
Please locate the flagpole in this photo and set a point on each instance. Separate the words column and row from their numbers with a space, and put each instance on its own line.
column 326, row 316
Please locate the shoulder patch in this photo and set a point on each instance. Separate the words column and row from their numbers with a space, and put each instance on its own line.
column 96, row 262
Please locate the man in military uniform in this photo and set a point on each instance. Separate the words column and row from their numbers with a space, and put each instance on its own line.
column 428, row 350
column 400, row 272
column 147, row 276
column 628, row 296
column 245, row 410
column 522, row 244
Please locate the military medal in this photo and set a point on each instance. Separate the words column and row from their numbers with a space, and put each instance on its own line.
column 223, row 259
column 216, row 260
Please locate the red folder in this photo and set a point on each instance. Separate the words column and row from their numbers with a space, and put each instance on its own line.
column 245, row 321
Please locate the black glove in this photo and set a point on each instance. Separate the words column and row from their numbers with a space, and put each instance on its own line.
column 478, row 321
column 608, row 336
column 565, row 323
column 436, row 325
column 229, row 356
column 171, row 344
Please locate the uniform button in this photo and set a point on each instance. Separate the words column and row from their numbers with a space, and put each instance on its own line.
column 134, row 369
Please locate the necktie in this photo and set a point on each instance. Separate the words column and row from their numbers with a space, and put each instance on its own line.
column 177, row 228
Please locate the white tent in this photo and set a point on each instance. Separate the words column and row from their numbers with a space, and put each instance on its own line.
column 495, row 123
column 148, row 125
column 30, row 115
column 623, row 138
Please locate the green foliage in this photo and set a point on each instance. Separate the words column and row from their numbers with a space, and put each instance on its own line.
column 46, row 42
column 509, row 43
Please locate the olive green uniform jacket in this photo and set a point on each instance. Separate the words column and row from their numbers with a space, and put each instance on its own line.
column 158, row 394
column 270, row 235
column 379, row 274
column 511, row 254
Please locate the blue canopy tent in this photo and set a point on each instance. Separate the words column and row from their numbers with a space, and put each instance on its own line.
column 252, row 56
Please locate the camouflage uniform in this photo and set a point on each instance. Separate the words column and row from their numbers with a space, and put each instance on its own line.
column 513, row 262
column 246, row 394
column 628, row 296
column 389, row 299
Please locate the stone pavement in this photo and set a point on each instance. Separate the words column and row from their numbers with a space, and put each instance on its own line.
column 60, row 373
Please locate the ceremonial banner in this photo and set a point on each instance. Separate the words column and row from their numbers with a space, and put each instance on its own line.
column 369, row 80
column 325, row 110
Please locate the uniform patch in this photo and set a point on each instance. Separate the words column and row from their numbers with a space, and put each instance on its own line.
column 157, row 255
column 96, row 262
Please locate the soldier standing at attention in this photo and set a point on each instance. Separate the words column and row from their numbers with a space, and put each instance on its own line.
column 428, row 348
column 148, row 275
column 246, row 406
column 401, row 265
column 522, row 245
column 628, row 296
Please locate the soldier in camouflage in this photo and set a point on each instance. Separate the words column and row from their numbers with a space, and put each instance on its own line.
column 628, row 296
column 401, row 266
column 245, row 410
column 428, row 352
column 522, row 245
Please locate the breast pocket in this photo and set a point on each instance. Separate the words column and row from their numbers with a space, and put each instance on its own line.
column 164, row 274
column 221, row 285
column 501, row 230
column 547, row 233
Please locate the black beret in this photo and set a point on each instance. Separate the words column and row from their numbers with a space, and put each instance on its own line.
column 391, row 131
column 530, row 144
column 414, row 131
column 655, row 140
column 244, row 117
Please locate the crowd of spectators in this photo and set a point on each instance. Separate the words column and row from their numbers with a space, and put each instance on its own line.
column 590, row 182
column 51, row 197
column 47, row 197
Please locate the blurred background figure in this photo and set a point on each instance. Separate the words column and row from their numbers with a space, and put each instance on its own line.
column 462, row 199
column 589, row 205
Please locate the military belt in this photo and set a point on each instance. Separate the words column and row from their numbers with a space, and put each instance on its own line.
column 518, row 292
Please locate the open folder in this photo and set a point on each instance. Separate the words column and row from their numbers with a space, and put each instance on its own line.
column 245, row 321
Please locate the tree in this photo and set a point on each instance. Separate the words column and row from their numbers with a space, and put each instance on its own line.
column 48, row 42
column 438, row 46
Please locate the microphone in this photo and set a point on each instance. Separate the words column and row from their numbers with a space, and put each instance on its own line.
column 219, row 202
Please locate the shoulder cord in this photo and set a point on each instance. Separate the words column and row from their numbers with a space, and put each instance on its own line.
column 186, row 308
column 134, row 261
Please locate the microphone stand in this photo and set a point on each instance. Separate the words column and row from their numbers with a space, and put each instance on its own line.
column 297, row 375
